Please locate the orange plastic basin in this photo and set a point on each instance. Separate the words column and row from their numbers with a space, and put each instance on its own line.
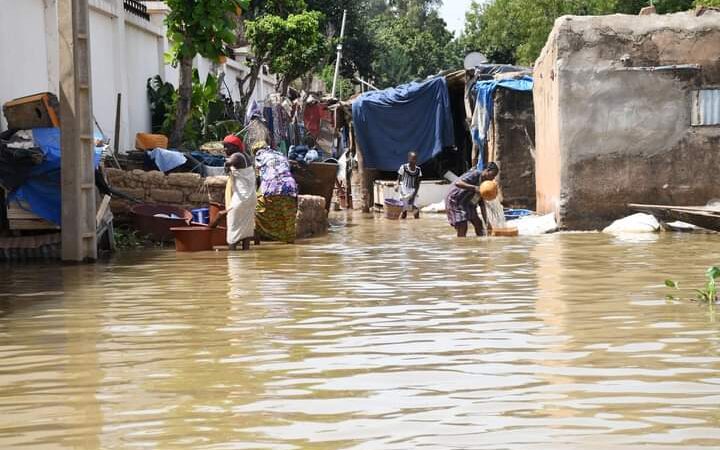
column 193, row 239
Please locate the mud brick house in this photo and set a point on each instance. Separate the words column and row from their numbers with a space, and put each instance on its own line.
column 627, row 109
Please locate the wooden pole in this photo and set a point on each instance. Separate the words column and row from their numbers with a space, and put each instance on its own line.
column 116, row 139
column 79, row 239
column 364, row 179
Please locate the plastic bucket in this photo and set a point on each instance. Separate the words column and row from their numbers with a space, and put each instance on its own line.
column 201, row 215
column 393, row 209
column 215, row 209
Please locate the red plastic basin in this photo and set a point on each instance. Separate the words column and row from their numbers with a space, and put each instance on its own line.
column 193, row 239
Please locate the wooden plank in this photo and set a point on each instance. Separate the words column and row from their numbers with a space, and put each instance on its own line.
column 21, row 214
column 31, row 224
column 102, row 209
column 23, row 219
column 701, row 218
column 684, row 208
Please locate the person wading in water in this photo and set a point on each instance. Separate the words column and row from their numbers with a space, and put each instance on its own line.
column 240, row 194
column 409, row 177
column 461, row 202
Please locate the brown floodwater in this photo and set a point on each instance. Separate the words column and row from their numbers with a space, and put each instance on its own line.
column 382, row 335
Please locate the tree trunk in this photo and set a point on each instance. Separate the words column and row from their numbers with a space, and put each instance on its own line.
column 284, row 86
column 184, row 104
column 251, row 81
column 307, row 80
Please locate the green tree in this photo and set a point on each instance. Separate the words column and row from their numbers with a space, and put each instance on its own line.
column 344, row 86
column 515, row 31
column 358, row 48
column 283, row 35
column 199, row 27
column 291, row 46
column 412, row 42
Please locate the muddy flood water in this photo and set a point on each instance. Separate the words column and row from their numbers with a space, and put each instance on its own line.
column 382, row 335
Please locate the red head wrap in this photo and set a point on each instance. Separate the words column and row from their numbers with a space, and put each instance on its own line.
column 234, row 140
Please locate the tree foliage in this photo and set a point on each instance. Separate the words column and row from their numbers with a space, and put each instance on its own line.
column 344, row 86
column 291, row 46
column 412, row 42
column 358, row 48
column 200, row 27
column 515, row 31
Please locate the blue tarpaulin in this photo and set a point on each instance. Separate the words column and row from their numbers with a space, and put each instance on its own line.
column 412, row 117
column 42, row 190
column 484, row 107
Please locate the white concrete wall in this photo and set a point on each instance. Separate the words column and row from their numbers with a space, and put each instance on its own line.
column 23, row 50
column 141, row 56
column 234, row 70
column 125, row 51
column 103, row 65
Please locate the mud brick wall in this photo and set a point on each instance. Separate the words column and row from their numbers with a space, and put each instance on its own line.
column 189, row 190
column 184, row 190
column 511, row 145
column 614, row 99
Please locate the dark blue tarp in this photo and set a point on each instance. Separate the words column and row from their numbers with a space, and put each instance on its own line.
column 412, row 117
column 484, row 107
column 41, row 191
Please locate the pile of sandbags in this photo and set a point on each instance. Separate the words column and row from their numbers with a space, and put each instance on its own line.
column 637, row 223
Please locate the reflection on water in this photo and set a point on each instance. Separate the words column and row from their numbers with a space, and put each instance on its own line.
column 385, row 335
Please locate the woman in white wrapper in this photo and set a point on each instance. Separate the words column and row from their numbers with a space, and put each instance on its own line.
column 240, row 200
column 240, row 194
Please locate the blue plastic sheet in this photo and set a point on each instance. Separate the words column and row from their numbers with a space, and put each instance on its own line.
column 485, row 91
column 412, row 117
column 42, row 190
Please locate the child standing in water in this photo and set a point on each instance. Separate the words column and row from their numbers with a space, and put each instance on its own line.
column 409, row 177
